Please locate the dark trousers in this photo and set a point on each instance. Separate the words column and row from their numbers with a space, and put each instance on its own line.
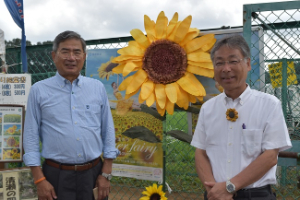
column 261, row 193
column 73, row 185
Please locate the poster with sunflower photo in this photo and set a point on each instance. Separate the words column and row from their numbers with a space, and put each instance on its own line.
column 138, row 133
column 11, row 129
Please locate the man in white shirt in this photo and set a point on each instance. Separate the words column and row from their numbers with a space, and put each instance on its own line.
column 239, row 132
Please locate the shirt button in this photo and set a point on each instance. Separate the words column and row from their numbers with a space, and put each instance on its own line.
column 75, row 122
column 229, row 144
column 230, row 127
column 77, row 139
column 72, row 92
column 79, row 155
column 229, row 161
column 73, row 107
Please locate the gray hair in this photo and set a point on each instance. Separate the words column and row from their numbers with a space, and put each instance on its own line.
column 234, row 42
column 65, row 36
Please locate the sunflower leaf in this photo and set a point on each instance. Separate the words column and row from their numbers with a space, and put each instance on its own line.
column 152, row 112
column 142, row 133
column 180, row 135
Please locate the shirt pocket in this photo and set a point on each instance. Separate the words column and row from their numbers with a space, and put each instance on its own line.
column 251, row 141
column 92, row 115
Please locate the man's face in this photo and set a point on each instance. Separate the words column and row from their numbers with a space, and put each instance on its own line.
column 232, row 74
column 69, row 58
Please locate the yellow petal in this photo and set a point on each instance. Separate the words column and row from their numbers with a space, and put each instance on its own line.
column 160, row 95
column 197, row 43
column 197, row 83
column 192, row 98
column 199, row 56
column 131, row 66
column 171, row 31
column 125, row 58
column 174, row 19
column 118, row 69
column 127, row 96
column 170, row 108
column 200, row 71
column 140, row 99
column 161, row 25
column 139, row 36
column 149, row 28
column 189, row 84
column 134, row 43
column 209, row 45
column 207, row 65
column 183, row 28
column 138, row 79
column 125, row 83
column 161, row 111
column 147, row 89
column 183, row 98
column 200, row 98
column 131, row 50
column 150, row 100
column 171, row 92
column 193, row 32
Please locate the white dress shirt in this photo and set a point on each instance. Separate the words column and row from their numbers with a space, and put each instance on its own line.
column 230, row 147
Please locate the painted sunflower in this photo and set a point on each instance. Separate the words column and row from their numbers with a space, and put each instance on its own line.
column 105, row 70
column 153, row 193
column 165, row 62
column 231, row 114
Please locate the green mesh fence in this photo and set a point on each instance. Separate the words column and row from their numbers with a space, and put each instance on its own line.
column 278, row 42
column 279, row 69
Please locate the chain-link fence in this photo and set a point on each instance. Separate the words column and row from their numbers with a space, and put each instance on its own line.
column 279, row 70
column 276, row 73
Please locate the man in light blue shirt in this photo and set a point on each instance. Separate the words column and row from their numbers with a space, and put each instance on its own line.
column 70, row 115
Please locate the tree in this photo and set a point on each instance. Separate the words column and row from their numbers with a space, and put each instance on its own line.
column 16, row 42
column 45, row 42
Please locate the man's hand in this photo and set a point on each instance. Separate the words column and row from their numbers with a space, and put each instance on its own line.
column 103, row 187
column 218, row 191
column 45, row 191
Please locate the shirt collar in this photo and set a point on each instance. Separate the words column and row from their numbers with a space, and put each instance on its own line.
column 63, row 81
column 241, row 99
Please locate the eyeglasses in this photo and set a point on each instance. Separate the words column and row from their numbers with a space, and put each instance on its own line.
column 67, row 54
column 231, row 63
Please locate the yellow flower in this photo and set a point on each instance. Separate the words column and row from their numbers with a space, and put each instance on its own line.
column 11, row 142
column 153, row 193
column 165, row 62
column 105, row 70
column 231, row 114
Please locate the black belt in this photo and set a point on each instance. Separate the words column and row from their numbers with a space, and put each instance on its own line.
column 73, row 167
column 263, row 191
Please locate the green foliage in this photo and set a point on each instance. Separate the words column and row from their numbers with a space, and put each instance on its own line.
column 16, row 42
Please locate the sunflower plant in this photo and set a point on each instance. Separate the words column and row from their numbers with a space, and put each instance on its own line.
column 153, row 193
column 165, row 62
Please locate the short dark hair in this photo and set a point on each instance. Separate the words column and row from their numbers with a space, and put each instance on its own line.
column 65, row 36
column 234, row 42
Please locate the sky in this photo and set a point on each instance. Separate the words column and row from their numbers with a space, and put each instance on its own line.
column 99, row 19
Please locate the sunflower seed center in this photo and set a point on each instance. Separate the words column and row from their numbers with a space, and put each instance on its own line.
column 231, row 114
column 165, row 61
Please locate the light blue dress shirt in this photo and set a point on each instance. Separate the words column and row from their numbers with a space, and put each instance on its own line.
column 73, row 121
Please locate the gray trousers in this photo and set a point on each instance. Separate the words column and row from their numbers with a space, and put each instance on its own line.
column 73, row 185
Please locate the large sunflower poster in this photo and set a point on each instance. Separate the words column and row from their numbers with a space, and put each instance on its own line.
column 138, row 129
